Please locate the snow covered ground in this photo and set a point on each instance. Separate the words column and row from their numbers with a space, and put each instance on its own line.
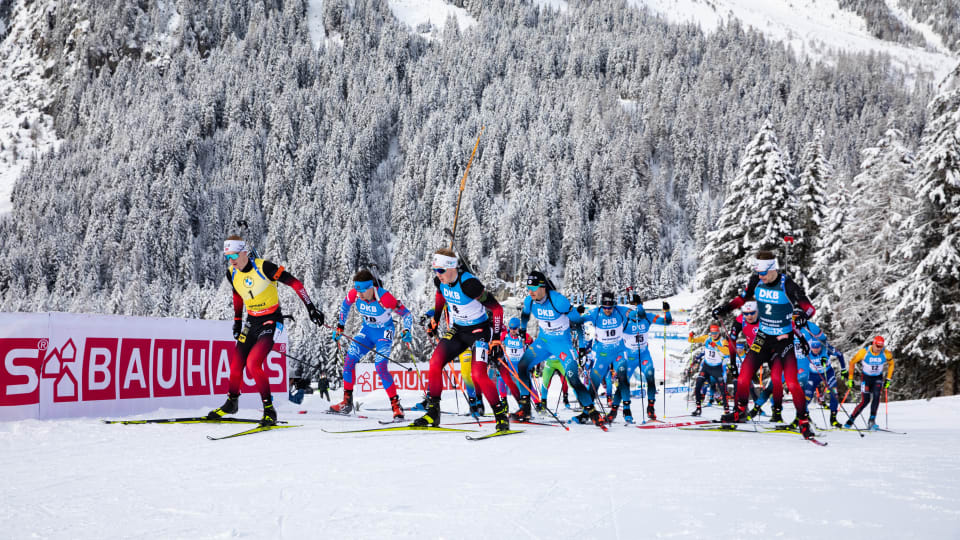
column 80, row 478
column 816, row 28
column 83, row 479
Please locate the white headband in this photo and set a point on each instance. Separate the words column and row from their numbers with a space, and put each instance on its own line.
column 749, row 306
column 443, row 261
column 765, row 265
column 234, row 246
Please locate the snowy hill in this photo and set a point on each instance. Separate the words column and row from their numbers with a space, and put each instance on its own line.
column 816, row 28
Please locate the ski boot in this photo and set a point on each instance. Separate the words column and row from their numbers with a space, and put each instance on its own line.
column 432, row 418
column 795, row 425
column 697, row 412
column 345, row 406
column 755, row 412
column 737, row 416
column 612, row 415
column 777, row 416
column 421, row 406
column 586, row 416
column 805, row 429
column 594, row 416
column 566, row 401
column 476, row 407
column 541, row 406
column 872, row 424
column 627, row 415
column 500, row 414
column 397, row 409
column 269, row 413
column 229, row 407
column 848, row 424
column 833, row 420
column 651, row 412
column 523, row 413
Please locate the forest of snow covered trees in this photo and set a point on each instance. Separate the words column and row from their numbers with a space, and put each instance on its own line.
column 617, row 151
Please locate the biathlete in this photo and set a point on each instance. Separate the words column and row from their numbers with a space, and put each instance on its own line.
column 783, row 306
column 636, row 342
column 254, row 283
column 376, row 307
column 476, row 319
column 821, row 372
column 715, row 351
column 554, row 314
column 874, row 357
column 609, row 321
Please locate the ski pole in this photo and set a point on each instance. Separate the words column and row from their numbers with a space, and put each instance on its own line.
column 853, row 422
column 886, row 409
column 374, row 351
column 664, row 368
column 535, row 398
column 413, row 358
column 462, row 389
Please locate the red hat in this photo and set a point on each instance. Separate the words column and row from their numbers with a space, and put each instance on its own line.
column 714, row 328
column 878, row 342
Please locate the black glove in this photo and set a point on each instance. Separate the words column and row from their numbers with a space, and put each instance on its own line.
column 844, row 374
column 800, row 317
column 432, row 328
column 315, row 315
column 666, row 306
column 237, row 328
column 523, row 333
column 720, row 311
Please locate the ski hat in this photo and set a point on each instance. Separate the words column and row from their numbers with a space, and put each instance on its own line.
column 878, row 342
column 815, row 344
column 636, row 300
column 514, row 323
column 362, row 286
column 234, row 246
column 535, row 280
column 443, row 261
column 608, row 300
column 764, row 265
column 741, row 345
column 714, row 328
column 750, row 306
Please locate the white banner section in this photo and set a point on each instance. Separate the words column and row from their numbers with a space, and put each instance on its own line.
column 57, row 365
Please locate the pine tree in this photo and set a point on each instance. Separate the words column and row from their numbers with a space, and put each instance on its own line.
column 828, row 271
column 879, row 206
column 811, row 198
column 925, row 321
column 757, row 212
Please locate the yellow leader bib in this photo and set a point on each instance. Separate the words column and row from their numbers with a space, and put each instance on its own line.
column 259, row 293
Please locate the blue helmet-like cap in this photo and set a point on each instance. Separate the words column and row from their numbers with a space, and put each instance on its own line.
column 514, row 323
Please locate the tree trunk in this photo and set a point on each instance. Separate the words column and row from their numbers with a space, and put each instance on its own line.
column 949, row 380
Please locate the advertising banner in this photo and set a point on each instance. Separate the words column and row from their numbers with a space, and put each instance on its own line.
column 56, row 365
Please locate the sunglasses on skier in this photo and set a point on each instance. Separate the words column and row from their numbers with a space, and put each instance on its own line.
column 440, row 270
column 749, row 313
column 231, row 256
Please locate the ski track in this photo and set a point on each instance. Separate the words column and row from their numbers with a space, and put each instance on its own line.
column 80, row 479
column 163, row 481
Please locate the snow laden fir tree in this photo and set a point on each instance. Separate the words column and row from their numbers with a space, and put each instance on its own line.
column 925, row 320
column 759, row 208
